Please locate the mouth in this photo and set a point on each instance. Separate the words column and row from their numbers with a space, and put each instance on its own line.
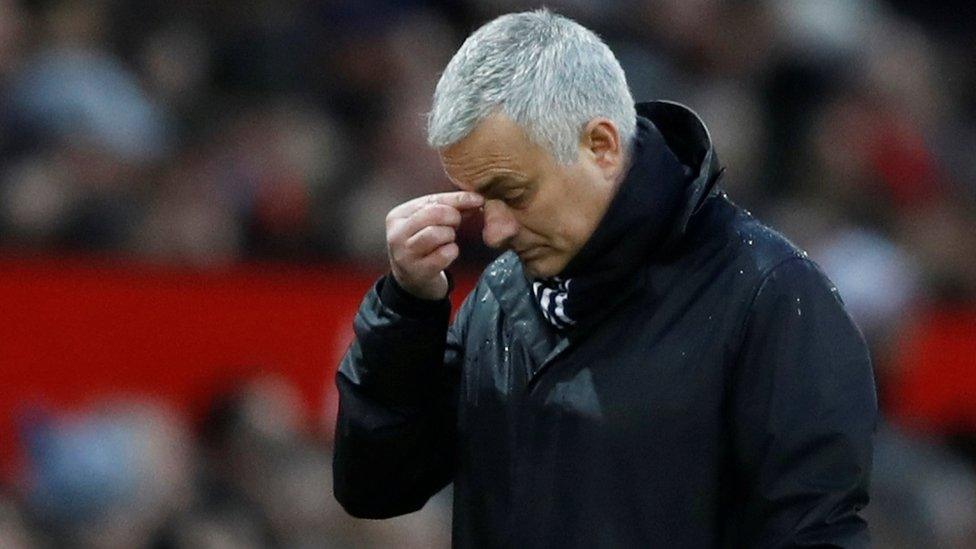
column 530, row 253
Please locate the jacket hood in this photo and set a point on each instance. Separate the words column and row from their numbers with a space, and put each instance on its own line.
column 689, row 140
column 673, row 170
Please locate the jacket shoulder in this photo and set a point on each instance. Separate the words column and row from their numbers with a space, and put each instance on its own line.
column 758, row 248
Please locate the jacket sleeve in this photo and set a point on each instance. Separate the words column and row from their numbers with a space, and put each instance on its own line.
column 398, row 382
column 804, row 411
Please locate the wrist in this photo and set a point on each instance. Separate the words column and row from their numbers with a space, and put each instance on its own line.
column 406, row 303
column 434, row 290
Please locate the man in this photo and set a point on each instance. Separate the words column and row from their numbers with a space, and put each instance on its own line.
column 648, row 366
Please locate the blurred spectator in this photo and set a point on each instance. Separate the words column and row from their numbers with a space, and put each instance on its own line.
column 109, row 478
column 924, row 496
column 72, row 88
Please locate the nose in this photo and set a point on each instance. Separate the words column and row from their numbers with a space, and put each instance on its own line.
column 500, row 224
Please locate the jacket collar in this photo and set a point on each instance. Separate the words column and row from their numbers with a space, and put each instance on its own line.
column 687, row 137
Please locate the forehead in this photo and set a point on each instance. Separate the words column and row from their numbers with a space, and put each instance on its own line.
column 496, row 146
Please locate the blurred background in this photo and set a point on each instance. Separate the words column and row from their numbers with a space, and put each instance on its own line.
column 192, row 198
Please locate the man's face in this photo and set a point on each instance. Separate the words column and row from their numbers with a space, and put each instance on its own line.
column 542, row 210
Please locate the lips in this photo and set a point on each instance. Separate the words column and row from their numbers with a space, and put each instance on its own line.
column 530, row 253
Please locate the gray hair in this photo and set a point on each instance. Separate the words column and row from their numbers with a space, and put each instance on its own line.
column 549, row 74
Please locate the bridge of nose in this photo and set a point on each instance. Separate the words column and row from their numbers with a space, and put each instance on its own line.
column 500, row 224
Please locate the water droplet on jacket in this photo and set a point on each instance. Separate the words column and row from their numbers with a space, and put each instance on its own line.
column 750, row 242
column 741, row 271
column 484, row 298
column 493, row 272
column 804, row 253
column 797, row 300
column 799, row 312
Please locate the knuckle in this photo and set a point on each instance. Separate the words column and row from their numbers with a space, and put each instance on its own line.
column 394, row 238
column 422, row 215
column 410, row 245
column 422, row 234
column 397, row 254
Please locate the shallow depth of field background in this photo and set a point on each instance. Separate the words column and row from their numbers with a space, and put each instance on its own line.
column 192, row 198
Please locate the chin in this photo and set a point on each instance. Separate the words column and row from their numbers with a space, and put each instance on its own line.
column 543, row 267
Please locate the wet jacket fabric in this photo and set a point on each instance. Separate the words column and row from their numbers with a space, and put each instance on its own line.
column 721, row 398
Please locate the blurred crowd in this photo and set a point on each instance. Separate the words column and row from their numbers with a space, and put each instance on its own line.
column 206, row 133
column 248, row 474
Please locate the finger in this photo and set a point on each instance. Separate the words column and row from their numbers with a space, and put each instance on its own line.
column 401, row 230
column 464, row 200
column 460, row 200
column 440, row 259
column 429, row 239
column 432, row 214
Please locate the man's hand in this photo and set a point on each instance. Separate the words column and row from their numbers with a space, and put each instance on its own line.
column 420, row 238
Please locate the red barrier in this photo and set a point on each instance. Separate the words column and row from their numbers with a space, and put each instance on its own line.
column 74, row 331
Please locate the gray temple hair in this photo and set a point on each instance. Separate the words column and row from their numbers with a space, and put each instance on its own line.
column 549, row 74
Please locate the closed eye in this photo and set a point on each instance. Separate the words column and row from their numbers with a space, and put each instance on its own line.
column 509, row 190
column 515, row 198
column 513, row 194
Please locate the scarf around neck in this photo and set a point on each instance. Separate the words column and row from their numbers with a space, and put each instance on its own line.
column 637, row 221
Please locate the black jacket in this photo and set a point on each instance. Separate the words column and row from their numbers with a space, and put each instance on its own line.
column 725, row 399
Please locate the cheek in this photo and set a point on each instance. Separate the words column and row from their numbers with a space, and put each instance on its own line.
column 553, row 223
column 555, row 212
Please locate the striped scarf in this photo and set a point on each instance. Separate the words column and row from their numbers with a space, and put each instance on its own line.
column 551, row 294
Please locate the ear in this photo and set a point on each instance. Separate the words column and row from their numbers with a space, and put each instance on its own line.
column 601, row 139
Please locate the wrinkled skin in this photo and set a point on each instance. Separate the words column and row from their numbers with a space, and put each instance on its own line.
column 535, row 206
